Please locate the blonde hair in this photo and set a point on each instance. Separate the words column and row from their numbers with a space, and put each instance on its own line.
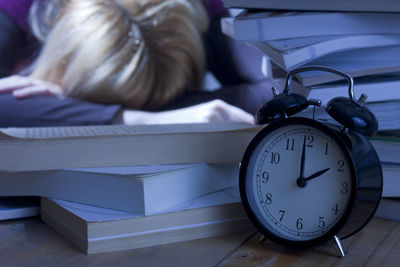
column 139, row 53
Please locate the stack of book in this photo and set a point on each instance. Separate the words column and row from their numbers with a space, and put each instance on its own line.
column 359, row 37
column 108, row 188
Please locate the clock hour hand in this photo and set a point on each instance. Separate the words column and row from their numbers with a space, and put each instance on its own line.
column 302, row 181
column 316, row 174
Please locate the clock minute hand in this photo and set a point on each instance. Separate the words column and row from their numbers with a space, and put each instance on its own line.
column 302, row 160
column 316, row 174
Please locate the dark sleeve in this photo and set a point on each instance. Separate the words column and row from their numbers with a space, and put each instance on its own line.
column 11, row 44
column 231, row 62
column 248, row 97
column 52, row 111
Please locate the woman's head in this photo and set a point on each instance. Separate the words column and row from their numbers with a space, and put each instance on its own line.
column 140, row 53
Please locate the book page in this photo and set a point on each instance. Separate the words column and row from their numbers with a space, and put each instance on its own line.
column 250, row 14
column 135, row 170
column 386, row 112
column 97, row 214
column 119, row 130
column 18, row 207
column 283, row 45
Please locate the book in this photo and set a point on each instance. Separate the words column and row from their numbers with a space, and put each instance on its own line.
column 54, row 148
column 391, row 179
column 377, row 88
column 19, row 207
column 389, row 208
column 95, row 230
column 290, row 53
column 318, row 5
column 358, row 63
column 387, row 144
column 139, row 189
column 387, row 141
column 386, row 112
column 256, row 26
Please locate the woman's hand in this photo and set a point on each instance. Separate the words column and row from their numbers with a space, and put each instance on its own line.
column 213, row 111
column 23, row 87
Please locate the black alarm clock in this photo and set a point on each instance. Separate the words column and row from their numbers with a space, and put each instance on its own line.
column 304, row 181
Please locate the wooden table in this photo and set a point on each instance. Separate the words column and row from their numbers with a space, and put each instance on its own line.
column 29, row 242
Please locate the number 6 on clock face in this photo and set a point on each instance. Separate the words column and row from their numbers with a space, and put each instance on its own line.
column 296, row 180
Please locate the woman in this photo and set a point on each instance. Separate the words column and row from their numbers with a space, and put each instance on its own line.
column 141, row 54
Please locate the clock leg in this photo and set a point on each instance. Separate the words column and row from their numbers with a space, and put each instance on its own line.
column 262, row 239
column 338, row 245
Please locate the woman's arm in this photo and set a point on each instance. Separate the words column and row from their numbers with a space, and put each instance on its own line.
column 29, row 106
column 248, row 97
column 212, row 111
column 53, row 111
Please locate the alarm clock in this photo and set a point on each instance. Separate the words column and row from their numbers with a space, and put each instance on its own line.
column 304, row 181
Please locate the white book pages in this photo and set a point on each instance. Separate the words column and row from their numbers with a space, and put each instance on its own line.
column 133, row 171
column 357, row 63
column 96, row 214
column 391, row 179
column 53, row 148
column 378, row 89
column 262, row 26
column 389, row 208
column 291, row 53
column 337, row 5
column 387, row 114
column 18, row 207
column 131, row 189
column 118, row 130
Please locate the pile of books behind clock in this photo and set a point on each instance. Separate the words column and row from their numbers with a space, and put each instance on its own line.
column 355, row 37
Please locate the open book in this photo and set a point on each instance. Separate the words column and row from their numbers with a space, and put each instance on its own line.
column 52, row 148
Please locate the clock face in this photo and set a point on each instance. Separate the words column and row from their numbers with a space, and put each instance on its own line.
column 298, row 182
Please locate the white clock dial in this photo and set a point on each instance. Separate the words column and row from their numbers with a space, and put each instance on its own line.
column 299, row 182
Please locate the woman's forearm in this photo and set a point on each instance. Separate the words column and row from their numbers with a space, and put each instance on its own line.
column 212, row 111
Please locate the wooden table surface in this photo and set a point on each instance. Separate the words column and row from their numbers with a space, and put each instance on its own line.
column 29, row 242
